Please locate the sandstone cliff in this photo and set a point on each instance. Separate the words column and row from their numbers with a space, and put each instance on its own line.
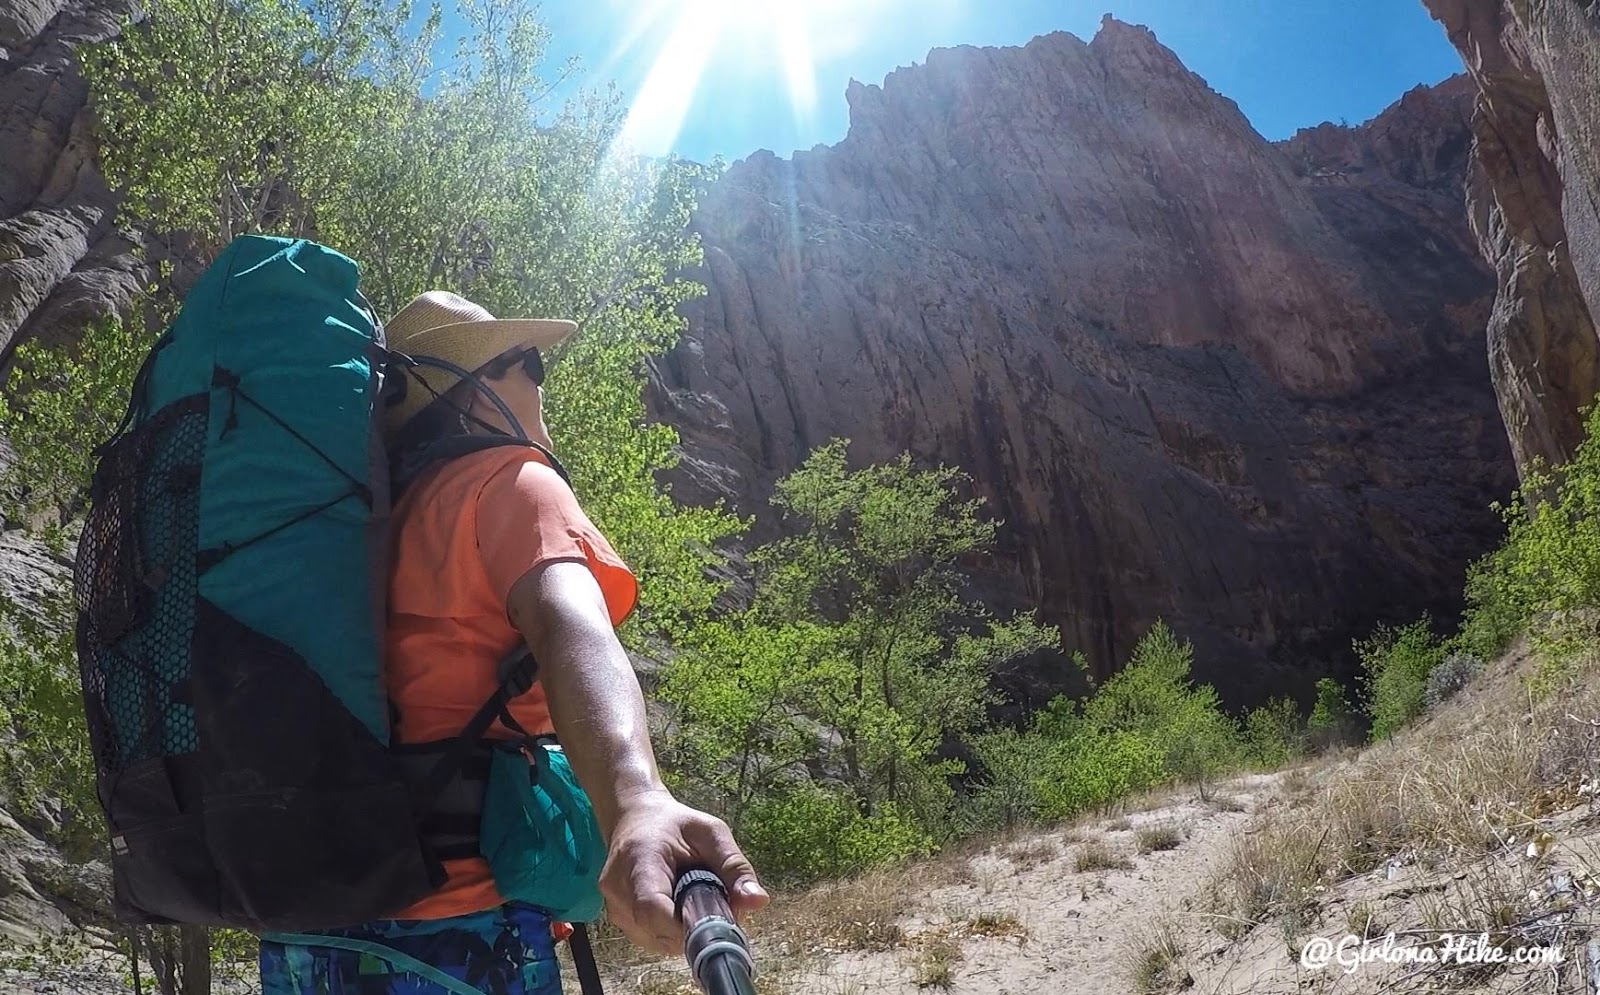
column 1201, row 377
column 1535, row 204
column 62, row 260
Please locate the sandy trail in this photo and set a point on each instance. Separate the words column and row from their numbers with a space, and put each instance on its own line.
column 1019, row 917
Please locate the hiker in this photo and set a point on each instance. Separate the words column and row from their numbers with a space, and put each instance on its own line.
column 491, row 552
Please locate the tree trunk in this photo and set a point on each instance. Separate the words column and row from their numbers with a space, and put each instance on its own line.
column 194, row 949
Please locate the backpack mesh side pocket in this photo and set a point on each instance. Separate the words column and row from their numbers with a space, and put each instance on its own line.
column 135, row 586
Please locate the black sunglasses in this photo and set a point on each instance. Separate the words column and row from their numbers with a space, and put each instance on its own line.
column 532, row 366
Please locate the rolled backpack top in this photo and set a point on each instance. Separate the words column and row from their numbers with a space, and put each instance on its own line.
column 230, row 587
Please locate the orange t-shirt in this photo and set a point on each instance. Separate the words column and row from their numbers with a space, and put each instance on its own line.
column 463, row 535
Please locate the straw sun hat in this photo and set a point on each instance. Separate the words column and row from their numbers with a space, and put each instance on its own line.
column 444, row 326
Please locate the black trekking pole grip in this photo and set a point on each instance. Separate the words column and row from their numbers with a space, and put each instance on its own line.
column 715, row 947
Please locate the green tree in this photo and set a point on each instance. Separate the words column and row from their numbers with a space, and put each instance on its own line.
column 1273, row 733
column 1545, row 578
column 856, row 663
column 745, row 692
column 1396, row 663
column 1332, row 720
column 1149, row 724
column 44, row 745
column 1155, row 699
column 58, row 405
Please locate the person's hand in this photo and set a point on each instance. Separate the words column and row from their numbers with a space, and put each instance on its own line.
column 654, row 839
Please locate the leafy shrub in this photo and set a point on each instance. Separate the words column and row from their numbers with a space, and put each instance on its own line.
column 1013, row 767
column 45, row 763
column 1493, row 616
column 1449, row 677
column 1037, row 776
column 1145, row 726
column 1545, row 577
column 1396, row 665
column 1154, row 699
column 857, row 662
column 1273, row 733
column 1094, row 768
column 814, row 832
column 1332, row 720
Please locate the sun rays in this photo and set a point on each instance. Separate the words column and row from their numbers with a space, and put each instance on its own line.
column 690, row 37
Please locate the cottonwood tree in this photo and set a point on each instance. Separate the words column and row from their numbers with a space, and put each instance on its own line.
column 858, row 661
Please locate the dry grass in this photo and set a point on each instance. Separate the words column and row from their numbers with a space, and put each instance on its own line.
column 996, row 925
column 1296, row 787
column 937, row 956
column 1269, row 872
column 1161, row 836
column 1452, row 791
column 1364, row 919
column 1226, row 803
column 1032, row 853
column 860, row 914
column 1121, row 824
column 1097, row 856
column 613, row 952
column 1154, row 961
column 664, row 982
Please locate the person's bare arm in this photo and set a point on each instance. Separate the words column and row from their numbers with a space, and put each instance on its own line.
column 599, row 716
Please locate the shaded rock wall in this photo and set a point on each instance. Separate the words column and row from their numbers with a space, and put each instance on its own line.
column 1534, row 195
column 1202, row 377
column 62, row 260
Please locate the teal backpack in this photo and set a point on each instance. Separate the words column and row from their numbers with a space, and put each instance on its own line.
column 230, row 588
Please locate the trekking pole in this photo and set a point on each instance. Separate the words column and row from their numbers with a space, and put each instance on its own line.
column 715, row 947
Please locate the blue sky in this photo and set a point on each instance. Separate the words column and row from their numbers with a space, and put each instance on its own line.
column 732, row 76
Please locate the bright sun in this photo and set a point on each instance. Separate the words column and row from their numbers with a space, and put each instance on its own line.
column 782, row 34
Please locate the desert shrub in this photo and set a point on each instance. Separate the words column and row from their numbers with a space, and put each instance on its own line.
column 813, row 832
column 1012, row 767
column 1094, row 768
column 1396, row 664
column 1446, row 680
column 826, row 706
column 1154, row 698
column 1147, row 725
column 1332, row 720
column 1545, row 578
column 1273, row 733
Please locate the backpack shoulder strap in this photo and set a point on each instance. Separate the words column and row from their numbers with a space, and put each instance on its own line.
column 406, row 467
column 517, row 679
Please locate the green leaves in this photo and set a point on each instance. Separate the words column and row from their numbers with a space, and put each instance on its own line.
column 1396, row 664
column 44, row 745
column 333, row 120
column 1545, row 578
column 58, row 405
column 816, row 719
column 1148, row 724
column 1273, row 733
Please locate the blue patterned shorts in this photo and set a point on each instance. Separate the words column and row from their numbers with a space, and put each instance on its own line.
column 502, row 951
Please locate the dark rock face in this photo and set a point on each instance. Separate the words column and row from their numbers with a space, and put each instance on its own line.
column 1238, row 386
column 1534, row 195
column 62, row 260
